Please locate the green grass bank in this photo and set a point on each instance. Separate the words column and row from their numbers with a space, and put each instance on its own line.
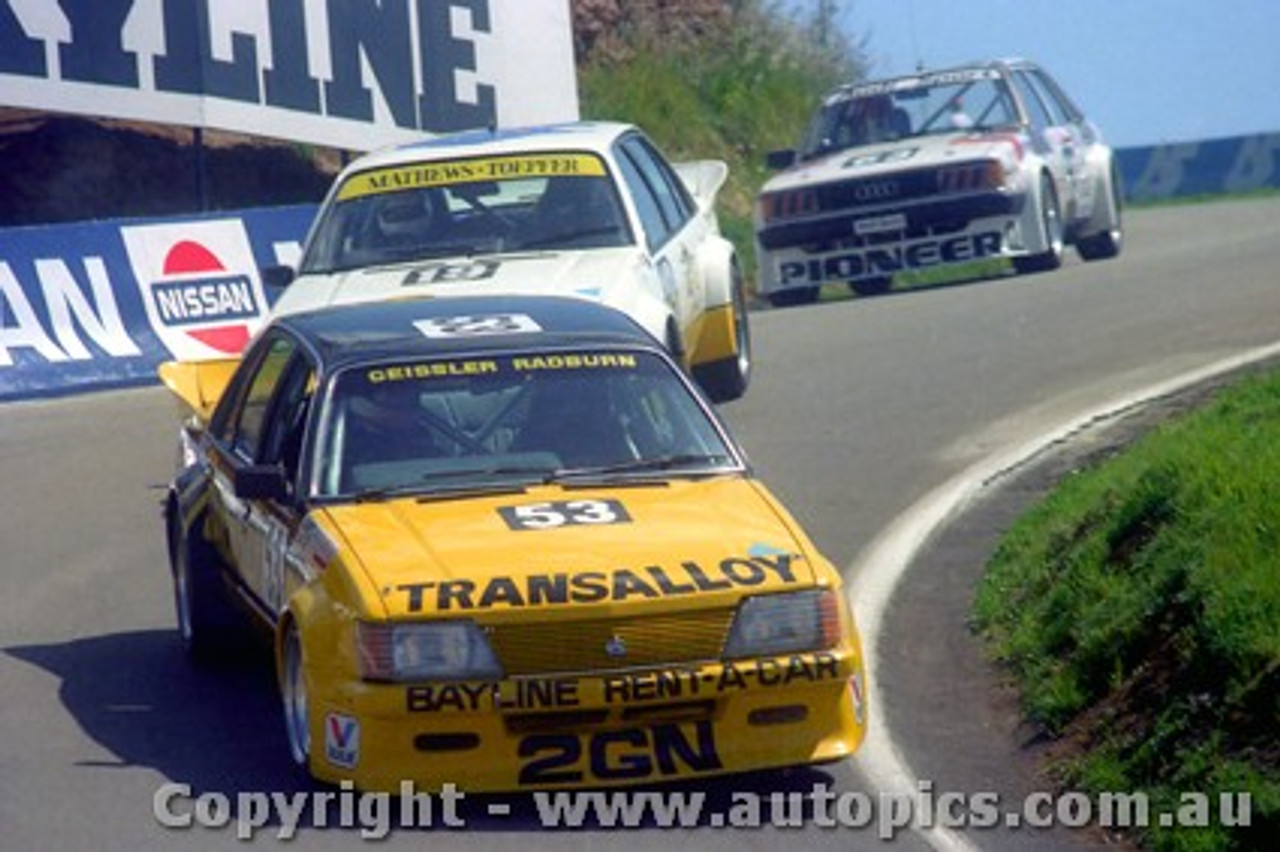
column 711, row 80
column 1138, row 609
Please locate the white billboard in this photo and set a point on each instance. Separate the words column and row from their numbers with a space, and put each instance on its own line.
column 352, row 74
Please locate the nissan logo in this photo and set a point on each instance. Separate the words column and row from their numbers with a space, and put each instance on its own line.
column 878, row 190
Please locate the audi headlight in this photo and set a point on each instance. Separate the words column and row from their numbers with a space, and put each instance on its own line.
column 767, row 625
column 977, row 176
column 428, row 650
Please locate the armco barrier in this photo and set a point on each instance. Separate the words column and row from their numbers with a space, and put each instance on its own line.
column 1238, row 164
column 102, row 304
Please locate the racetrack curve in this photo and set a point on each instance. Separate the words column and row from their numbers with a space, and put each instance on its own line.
column 859, row 410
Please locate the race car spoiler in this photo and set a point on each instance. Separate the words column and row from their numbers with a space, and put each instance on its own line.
column 198, row 385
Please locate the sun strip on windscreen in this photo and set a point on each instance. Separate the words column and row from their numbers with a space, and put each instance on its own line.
column 530, row 363
column 448, row 172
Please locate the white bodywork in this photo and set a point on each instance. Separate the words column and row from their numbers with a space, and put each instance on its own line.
column 666, row 282
column 622, row 278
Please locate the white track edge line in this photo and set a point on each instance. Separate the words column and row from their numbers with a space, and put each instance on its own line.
column 879, row 568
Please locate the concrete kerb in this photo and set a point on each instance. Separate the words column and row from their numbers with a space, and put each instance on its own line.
column 876, row 572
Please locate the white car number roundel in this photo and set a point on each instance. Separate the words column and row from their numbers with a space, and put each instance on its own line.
column 478, row 325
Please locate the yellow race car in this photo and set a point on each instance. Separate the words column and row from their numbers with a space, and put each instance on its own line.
column 502, row 542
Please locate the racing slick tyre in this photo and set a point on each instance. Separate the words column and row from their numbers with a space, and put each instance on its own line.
column 293, row 697
column 208, row 625
column 1106, row 243
column 872, row 286
column 1051, row 224
column 794, row 296
column 727, row 379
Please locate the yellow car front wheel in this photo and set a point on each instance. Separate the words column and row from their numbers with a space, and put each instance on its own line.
column 293, row 693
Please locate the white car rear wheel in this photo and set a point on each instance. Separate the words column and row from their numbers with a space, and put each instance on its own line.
column 727, row 379
column 1051, row 231
column 1106, row 243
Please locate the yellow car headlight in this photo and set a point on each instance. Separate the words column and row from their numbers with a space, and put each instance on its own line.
column 427, row 650
column 766, row 625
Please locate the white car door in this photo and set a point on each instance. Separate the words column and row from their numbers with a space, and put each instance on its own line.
column 673, row 230
column 1055, row 122
column 1072, row 121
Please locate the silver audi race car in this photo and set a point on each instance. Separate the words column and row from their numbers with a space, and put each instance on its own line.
column 988, row 160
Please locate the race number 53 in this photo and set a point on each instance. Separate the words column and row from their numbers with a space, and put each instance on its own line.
column 560, row 513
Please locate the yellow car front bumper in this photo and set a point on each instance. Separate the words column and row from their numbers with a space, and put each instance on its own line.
column 591, row 731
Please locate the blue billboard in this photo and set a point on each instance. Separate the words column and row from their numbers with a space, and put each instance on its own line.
column 102, row 304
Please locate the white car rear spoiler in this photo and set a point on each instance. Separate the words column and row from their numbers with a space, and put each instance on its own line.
column 704, row 179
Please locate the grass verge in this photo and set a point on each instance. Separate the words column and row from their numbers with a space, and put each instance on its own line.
column 1138, row 608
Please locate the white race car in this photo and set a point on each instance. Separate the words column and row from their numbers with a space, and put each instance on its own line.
column 588, row 208
column 941, row 167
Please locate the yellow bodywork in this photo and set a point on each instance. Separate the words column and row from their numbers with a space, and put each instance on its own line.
column 198, row 384
column 611, row 637
column 714, row 336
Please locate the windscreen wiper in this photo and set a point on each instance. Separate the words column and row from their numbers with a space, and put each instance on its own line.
column 656, row 464
column 427, row 489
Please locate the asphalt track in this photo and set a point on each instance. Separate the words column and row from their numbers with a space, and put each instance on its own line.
column 884, row 424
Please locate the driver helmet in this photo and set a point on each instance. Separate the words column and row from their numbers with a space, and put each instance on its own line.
column 388, row 405
column 406, row 215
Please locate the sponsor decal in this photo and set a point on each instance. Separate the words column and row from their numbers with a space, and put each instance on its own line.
column 430, row 370
column 659, row 751
column 626, row 687
column 857, row 692
column 854, row 264
column 649, row 583
column 514, row 694
column 434, row 697
column 449, row 172
column 924, row 81
column 559, row 513
column 669, row 684
column 426, row 370
column 342, row 740
column 529, row 363
column 199, row 286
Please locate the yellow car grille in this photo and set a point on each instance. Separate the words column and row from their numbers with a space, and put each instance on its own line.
column 610, row 643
